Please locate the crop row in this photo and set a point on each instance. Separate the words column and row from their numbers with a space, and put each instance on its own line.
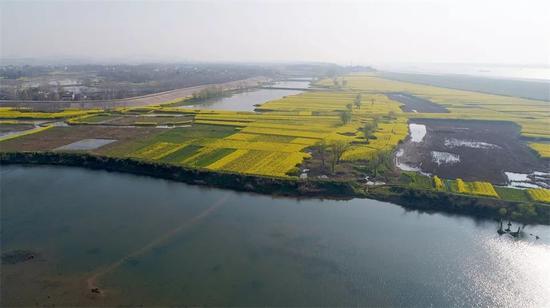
column 157, row 150
column 539, row 194
column 259, row 162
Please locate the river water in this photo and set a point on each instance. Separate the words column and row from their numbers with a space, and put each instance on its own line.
column 247, row 100
column 145, row 241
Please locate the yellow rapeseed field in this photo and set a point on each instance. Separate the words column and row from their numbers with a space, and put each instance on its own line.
column 13, row 113
column 157, row 150
column 539, row 194
column 438, row 183
column 542, row 148
column 476, row 188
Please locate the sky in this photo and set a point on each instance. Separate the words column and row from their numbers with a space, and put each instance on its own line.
column 343, row 32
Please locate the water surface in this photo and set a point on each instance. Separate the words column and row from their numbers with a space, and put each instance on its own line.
column 247, row 100
column 147, row 241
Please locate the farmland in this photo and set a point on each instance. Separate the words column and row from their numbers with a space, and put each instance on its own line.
column 345, row 132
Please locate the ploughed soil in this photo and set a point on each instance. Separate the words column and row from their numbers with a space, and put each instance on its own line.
column 56, row 137
column 129, row 120
column 8, row 128
column 416, row 104
column 485, row 150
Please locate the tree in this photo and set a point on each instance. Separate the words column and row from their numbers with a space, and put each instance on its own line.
column 345, row 117
column 381, row 163
column 322, row 151
column 338, row 148
column 357, row 101
column 370, row 128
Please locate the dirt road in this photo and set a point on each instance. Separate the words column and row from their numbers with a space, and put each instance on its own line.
column 151, row 99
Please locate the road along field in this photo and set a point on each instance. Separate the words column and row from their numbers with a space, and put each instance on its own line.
column 146, row 100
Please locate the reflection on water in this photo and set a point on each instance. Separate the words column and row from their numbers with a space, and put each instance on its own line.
column 292, row 84
column 513, row 273
column 418, row 132
column 160, row 242
column 247, row 100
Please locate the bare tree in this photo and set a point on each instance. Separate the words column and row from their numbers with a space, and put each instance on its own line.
column 322, row 151
column 338, row 148
column 345, row 117
column 357, row 101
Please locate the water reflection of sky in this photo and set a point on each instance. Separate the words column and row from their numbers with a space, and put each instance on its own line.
column 259, row 250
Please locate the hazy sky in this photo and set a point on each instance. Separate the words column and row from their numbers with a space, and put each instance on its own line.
column 361, row 32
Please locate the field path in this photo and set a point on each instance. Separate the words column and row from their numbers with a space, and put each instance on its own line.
column 92, row 281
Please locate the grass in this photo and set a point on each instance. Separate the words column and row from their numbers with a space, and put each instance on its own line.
column 157, row 150
column 416, row 180
column 197, row 131
column 512, row 194
column 211, row 156
column 181, row 154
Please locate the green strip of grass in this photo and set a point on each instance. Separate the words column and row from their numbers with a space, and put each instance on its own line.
column 183, row 134
column 205, row 160
column 181, row 154
column 415, row 180
column 451, row 185
column 512, row 194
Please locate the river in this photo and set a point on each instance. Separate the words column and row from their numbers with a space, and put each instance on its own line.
column 247, row 100
column 145, row 241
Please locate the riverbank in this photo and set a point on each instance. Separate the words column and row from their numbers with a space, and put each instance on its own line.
column 422, row 200
column 138, row 101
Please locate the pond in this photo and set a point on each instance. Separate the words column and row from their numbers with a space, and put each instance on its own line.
column 247, row 100
column 146, row 241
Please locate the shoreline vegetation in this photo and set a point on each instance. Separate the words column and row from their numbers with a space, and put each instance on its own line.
column 423, row 200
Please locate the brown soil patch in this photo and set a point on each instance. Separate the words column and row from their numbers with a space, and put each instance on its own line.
column 413, row 103
column 486, row 150
column 8, row 128
column 59, row 136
